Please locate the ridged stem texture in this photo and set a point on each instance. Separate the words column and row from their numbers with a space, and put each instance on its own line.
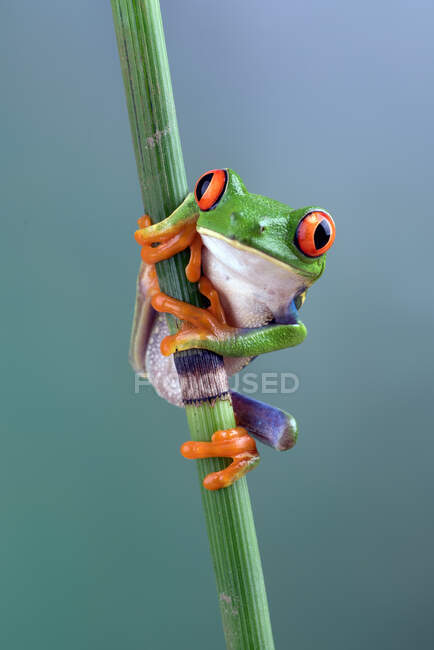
column 231, row 530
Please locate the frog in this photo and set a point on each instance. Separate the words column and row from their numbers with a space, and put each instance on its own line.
column 254, row 260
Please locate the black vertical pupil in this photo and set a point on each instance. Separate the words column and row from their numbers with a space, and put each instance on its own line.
column 322, row 234
column 203, row 184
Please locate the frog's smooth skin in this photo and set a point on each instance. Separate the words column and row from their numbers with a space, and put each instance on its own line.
column 255, row 258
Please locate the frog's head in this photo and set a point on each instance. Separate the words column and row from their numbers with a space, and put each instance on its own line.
column 297, row 239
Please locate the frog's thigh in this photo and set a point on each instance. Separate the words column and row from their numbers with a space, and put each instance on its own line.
column 268, row 424
column 161, row 370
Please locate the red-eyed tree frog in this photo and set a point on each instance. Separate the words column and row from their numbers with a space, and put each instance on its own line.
column 254, row 259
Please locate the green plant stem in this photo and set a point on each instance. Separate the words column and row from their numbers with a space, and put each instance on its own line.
column 229, row 519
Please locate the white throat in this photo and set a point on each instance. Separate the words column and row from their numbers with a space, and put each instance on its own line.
column 253, row 289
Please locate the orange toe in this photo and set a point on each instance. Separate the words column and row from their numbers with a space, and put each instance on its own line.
column 228, row 476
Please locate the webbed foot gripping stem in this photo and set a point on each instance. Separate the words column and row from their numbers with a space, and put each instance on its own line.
column 227, row 443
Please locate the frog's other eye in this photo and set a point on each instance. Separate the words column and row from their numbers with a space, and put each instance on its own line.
column 315, row 233
column 210, row 188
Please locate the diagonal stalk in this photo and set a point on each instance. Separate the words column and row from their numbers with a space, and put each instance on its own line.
column 228, row 513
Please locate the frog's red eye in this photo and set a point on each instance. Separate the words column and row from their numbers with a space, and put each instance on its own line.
column 210, row 188
column 315, row 233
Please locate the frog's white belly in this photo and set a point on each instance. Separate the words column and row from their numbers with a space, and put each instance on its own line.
column 253, row 288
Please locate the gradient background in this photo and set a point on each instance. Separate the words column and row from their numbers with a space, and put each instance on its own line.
column 103, row 544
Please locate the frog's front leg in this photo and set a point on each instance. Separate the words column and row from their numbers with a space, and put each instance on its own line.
column 171, row 236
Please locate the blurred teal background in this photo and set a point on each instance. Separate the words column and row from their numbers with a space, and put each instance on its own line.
column 103, row 543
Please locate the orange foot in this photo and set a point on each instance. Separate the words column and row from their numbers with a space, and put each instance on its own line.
column 198, row 324
column 227, row 443
column 160, row 245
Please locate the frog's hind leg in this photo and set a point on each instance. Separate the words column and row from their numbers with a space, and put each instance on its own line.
column 228, row 443
column 266, row 423
column 270, row 425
